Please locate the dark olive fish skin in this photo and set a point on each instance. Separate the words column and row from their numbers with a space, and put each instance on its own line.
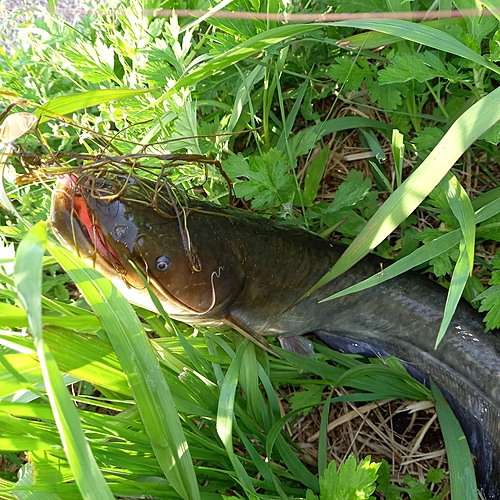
column 254, row 270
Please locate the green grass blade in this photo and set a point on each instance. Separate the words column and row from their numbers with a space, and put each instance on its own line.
column 249, row 382
column 225, row 414
column 492, row 6
column 19, row 444
column 376, row 148
column 487, row 197
column 471, row 125
column 277, row 428
column 87, row 358
column 146, row 380
column 398, row 151
column 11, row 375
column 416, row 258
column 28, row 279
column 384, row 380
column 18, row 372
column 243, row 95
column 344, row 123
column 314, row 175
column 15, row 317
column 373, row 40
column 292, row 116
column 489, row 210
column 273, row 401
column 323, row 436
column 461, row 207
column 70, row 103
column 328, row 372
column 421, row 255
column 296, row 467
column 424, row 35
column 462, row 476
column 262, row 466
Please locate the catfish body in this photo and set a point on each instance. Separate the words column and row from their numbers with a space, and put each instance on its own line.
column 211, row 265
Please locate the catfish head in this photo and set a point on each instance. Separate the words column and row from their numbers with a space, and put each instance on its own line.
column 124, row 227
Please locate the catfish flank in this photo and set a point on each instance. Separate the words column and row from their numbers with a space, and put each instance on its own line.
column 220, row 266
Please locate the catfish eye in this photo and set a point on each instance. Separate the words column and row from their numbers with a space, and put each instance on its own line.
column 163, row 263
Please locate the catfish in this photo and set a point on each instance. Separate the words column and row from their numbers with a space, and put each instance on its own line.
column 217, row 266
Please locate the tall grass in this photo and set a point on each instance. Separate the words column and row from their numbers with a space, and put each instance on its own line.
column 198, row 413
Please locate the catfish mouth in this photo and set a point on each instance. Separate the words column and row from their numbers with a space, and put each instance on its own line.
column 77, row 228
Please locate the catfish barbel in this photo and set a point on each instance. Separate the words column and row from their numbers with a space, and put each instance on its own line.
column 220, row 266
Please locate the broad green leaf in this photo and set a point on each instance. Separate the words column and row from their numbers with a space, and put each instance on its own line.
column 421, row 67
column 478, row 25
column 268, row 180
column 490, row 303
column 92, row 60
column 351, row 191
column 388, row 97
column 348, row 72
column 185, row 131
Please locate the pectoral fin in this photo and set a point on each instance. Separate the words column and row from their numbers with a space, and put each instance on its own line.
column 297, row 344
column 249, row 333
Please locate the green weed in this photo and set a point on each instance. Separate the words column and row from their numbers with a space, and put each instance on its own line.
column 281, row 105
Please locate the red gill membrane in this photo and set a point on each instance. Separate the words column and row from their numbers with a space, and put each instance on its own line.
column 79, row 205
